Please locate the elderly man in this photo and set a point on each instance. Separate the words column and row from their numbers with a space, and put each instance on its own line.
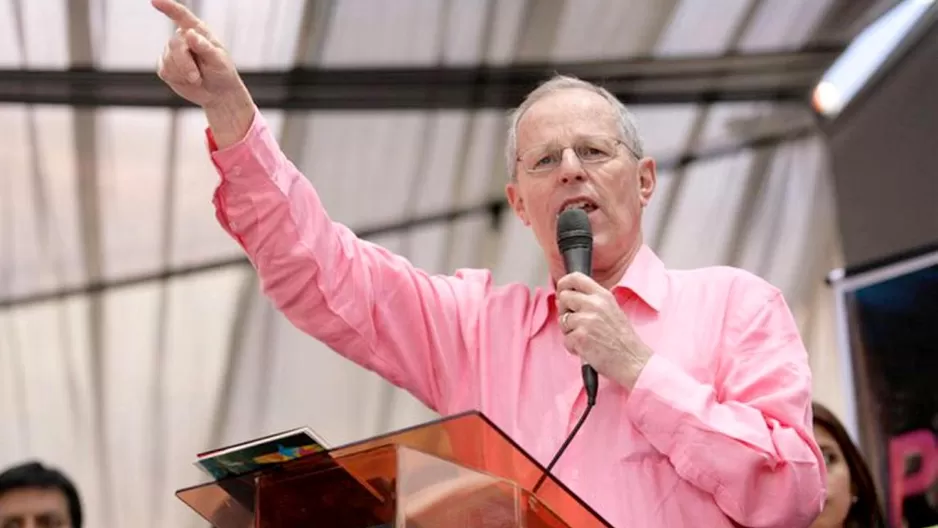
column 703, row 416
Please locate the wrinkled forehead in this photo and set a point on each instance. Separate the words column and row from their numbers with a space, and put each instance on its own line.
column 565, row 115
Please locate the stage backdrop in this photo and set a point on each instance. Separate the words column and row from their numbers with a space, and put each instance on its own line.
column 888, row 316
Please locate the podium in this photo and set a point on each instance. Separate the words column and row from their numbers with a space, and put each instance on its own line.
column 459, row 471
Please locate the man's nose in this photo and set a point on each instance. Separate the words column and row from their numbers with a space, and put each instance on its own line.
column 570, row 169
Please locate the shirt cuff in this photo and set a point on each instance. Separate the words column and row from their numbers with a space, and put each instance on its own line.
column 228, row 161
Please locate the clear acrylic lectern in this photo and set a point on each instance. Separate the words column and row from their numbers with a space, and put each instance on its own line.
column 459, row 471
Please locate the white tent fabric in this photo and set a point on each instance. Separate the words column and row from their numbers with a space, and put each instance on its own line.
column 122, row 388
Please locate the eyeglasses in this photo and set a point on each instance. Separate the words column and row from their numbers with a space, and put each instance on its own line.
column 590, row 150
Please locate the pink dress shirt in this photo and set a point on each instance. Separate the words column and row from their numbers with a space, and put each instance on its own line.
column 716, row 432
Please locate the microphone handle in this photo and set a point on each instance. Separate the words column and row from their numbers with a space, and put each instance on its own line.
column 590, row 383
column 579, row 259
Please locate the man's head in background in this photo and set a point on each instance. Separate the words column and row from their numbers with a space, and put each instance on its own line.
column 35, row 496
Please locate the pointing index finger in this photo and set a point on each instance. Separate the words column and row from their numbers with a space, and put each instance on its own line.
column 178, row 13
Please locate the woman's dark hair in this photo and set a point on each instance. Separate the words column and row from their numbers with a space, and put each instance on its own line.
column 867, row 511
column 33, row 475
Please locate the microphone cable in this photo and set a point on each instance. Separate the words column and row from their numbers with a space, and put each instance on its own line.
column 590, row 402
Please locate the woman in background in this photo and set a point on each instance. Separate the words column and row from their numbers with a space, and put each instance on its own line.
column 852, row 500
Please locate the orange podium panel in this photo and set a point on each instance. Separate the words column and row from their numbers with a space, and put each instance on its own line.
column 456, row 471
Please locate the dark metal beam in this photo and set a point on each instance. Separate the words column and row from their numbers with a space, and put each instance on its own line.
column 85, row 143
column 774, row 76
column 492, row 208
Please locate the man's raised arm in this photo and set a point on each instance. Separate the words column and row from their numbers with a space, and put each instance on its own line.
column 374, row 307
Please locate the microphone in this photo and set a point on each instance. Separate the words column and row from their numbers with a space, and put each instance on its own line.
column 575, row 241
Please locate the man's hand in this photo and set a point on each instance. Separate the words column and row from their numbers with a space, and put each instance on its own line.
column 597, row 330
column 197, row 67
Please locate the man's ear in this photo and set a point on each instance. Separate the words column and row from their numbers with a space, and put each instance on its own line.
column 516, row 202
column 647, row 179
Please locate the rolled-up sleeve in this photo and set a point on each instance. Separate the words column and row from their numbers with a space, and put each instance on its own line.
column 747, row 439
column 415, row 329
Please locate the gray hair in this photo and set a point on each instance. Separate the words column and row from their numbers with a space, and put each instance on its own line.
column 627, row 126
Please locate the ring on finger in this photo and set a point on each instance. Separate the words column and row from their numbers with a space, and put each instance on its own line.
column 563, row 322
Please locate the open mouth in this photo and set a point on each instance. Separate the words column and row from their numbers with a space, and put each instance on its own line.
column 581, row 203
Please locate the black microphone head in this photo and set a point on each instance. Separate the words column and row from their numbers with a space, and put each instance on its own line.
column 573, row 230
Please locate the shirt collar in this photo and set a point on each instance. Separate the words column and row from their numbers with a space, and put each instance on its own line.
column 646, row 278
